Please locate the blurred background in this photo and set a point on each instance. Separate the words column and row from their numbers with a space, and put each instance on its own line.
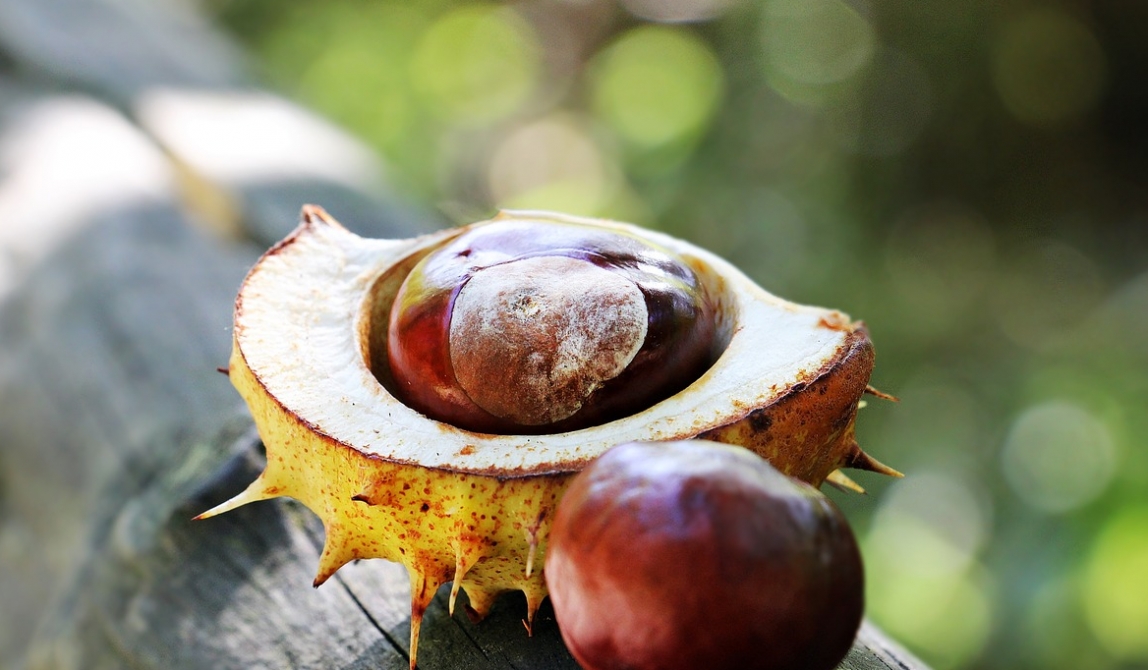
column 968, row 178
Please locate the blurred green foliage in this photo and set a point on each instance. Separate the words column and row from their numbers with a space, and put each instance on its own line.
column 968, row 177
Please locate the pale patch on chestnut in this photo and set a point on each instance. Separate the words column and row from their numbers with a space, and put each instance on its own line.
column 552, row 328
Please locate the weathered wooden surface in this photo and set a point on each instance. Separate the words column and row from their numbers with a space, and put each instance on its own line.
column 119, row 262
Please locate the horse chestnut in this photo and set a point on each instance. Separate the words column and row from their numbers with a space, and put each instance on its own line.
column 698, row 555
column 522, row 326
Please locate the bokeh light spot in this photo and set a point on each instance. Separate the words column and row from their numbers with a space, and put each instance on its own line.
column 553, row 163
column 1058, row 456
column 1048, row 68
column 360, row 79
column 1116, row 585
column 476, row 64
column 657, row 85
column 813, row 43
column 945, row 511
column 924, row 584
column 938, row 419
column 1055, row 630
column 676, row 11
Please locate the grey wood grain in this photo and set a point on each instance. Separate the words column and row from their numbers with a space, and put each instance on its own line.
column 101, row 355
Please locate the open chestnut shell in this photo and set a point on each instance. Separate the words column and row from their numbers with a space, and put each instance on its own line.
column 310, row 358
column 694, row 554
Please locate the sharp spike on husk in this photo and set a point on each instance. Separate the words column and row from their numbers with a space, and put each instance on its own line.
column 881, row 394
column 464, row 561
column 480, row 603
column 454, row 587
column 416, row 624
column 336, row 554
column 860, row 460
column 534, row 599
column 316, row 214
column 259, row 489
column 842, row 482
column 422, row 592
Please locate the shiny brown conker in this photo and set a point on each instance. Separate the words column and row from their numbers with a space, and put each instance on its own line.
column 693, row 554
column 523, row 326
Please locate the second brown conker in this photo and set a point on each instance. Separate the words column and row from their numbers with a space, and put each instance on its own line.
column 693, row 554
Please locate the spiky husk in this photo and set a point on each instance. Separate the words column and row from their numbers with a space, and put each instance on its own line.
column 485, row 528
column 485, row 534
